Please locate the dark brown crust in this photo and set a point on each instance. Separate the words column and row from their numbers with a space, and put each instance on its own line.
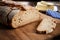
column 12, row 4
column 11, row 15
column 4, row 11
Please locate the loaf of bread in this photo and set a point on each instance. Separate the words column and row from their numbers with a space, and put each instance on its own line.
column 47, row 25
column 16, row 17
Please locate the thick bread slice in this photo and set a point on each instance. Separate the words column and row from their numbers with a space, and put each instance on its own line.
column 25, row 17
column 47, row 25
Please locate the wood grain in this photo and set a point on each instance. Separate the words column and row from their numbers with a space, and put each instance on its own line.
column 26, row 32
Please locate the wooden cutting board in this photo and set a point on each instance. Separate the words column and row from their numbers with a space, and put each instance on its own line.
column 27, row 32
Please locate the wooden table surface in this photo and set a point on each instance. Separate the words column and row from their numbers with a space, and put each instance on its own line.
column 27, row 32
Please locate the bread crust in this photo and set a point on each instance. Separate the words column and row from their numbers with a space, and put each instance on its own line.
column 4, row 11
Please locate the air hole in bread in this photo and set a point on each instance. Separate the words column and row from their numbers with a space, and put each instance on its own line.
column 54, row 21
column 25, row 13
column 14, row 19
column 20, row 20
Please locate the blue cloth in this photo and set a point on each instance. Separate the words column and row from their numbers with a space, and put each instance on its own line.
column 53, row 14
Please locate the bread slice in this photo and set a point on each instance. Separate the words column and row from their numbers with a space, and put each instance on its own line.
column 47, row 25
column 23, row 17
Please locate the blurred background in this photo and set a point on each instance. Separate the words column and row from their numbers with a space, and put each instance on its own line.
column 35, row 0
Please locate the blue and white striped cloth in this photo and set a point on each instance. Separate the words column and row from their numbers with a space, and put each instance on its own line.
column 53, row 14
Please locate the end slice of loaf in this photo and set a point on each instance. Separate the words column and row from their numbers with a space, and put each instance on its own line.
column 47, row 25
